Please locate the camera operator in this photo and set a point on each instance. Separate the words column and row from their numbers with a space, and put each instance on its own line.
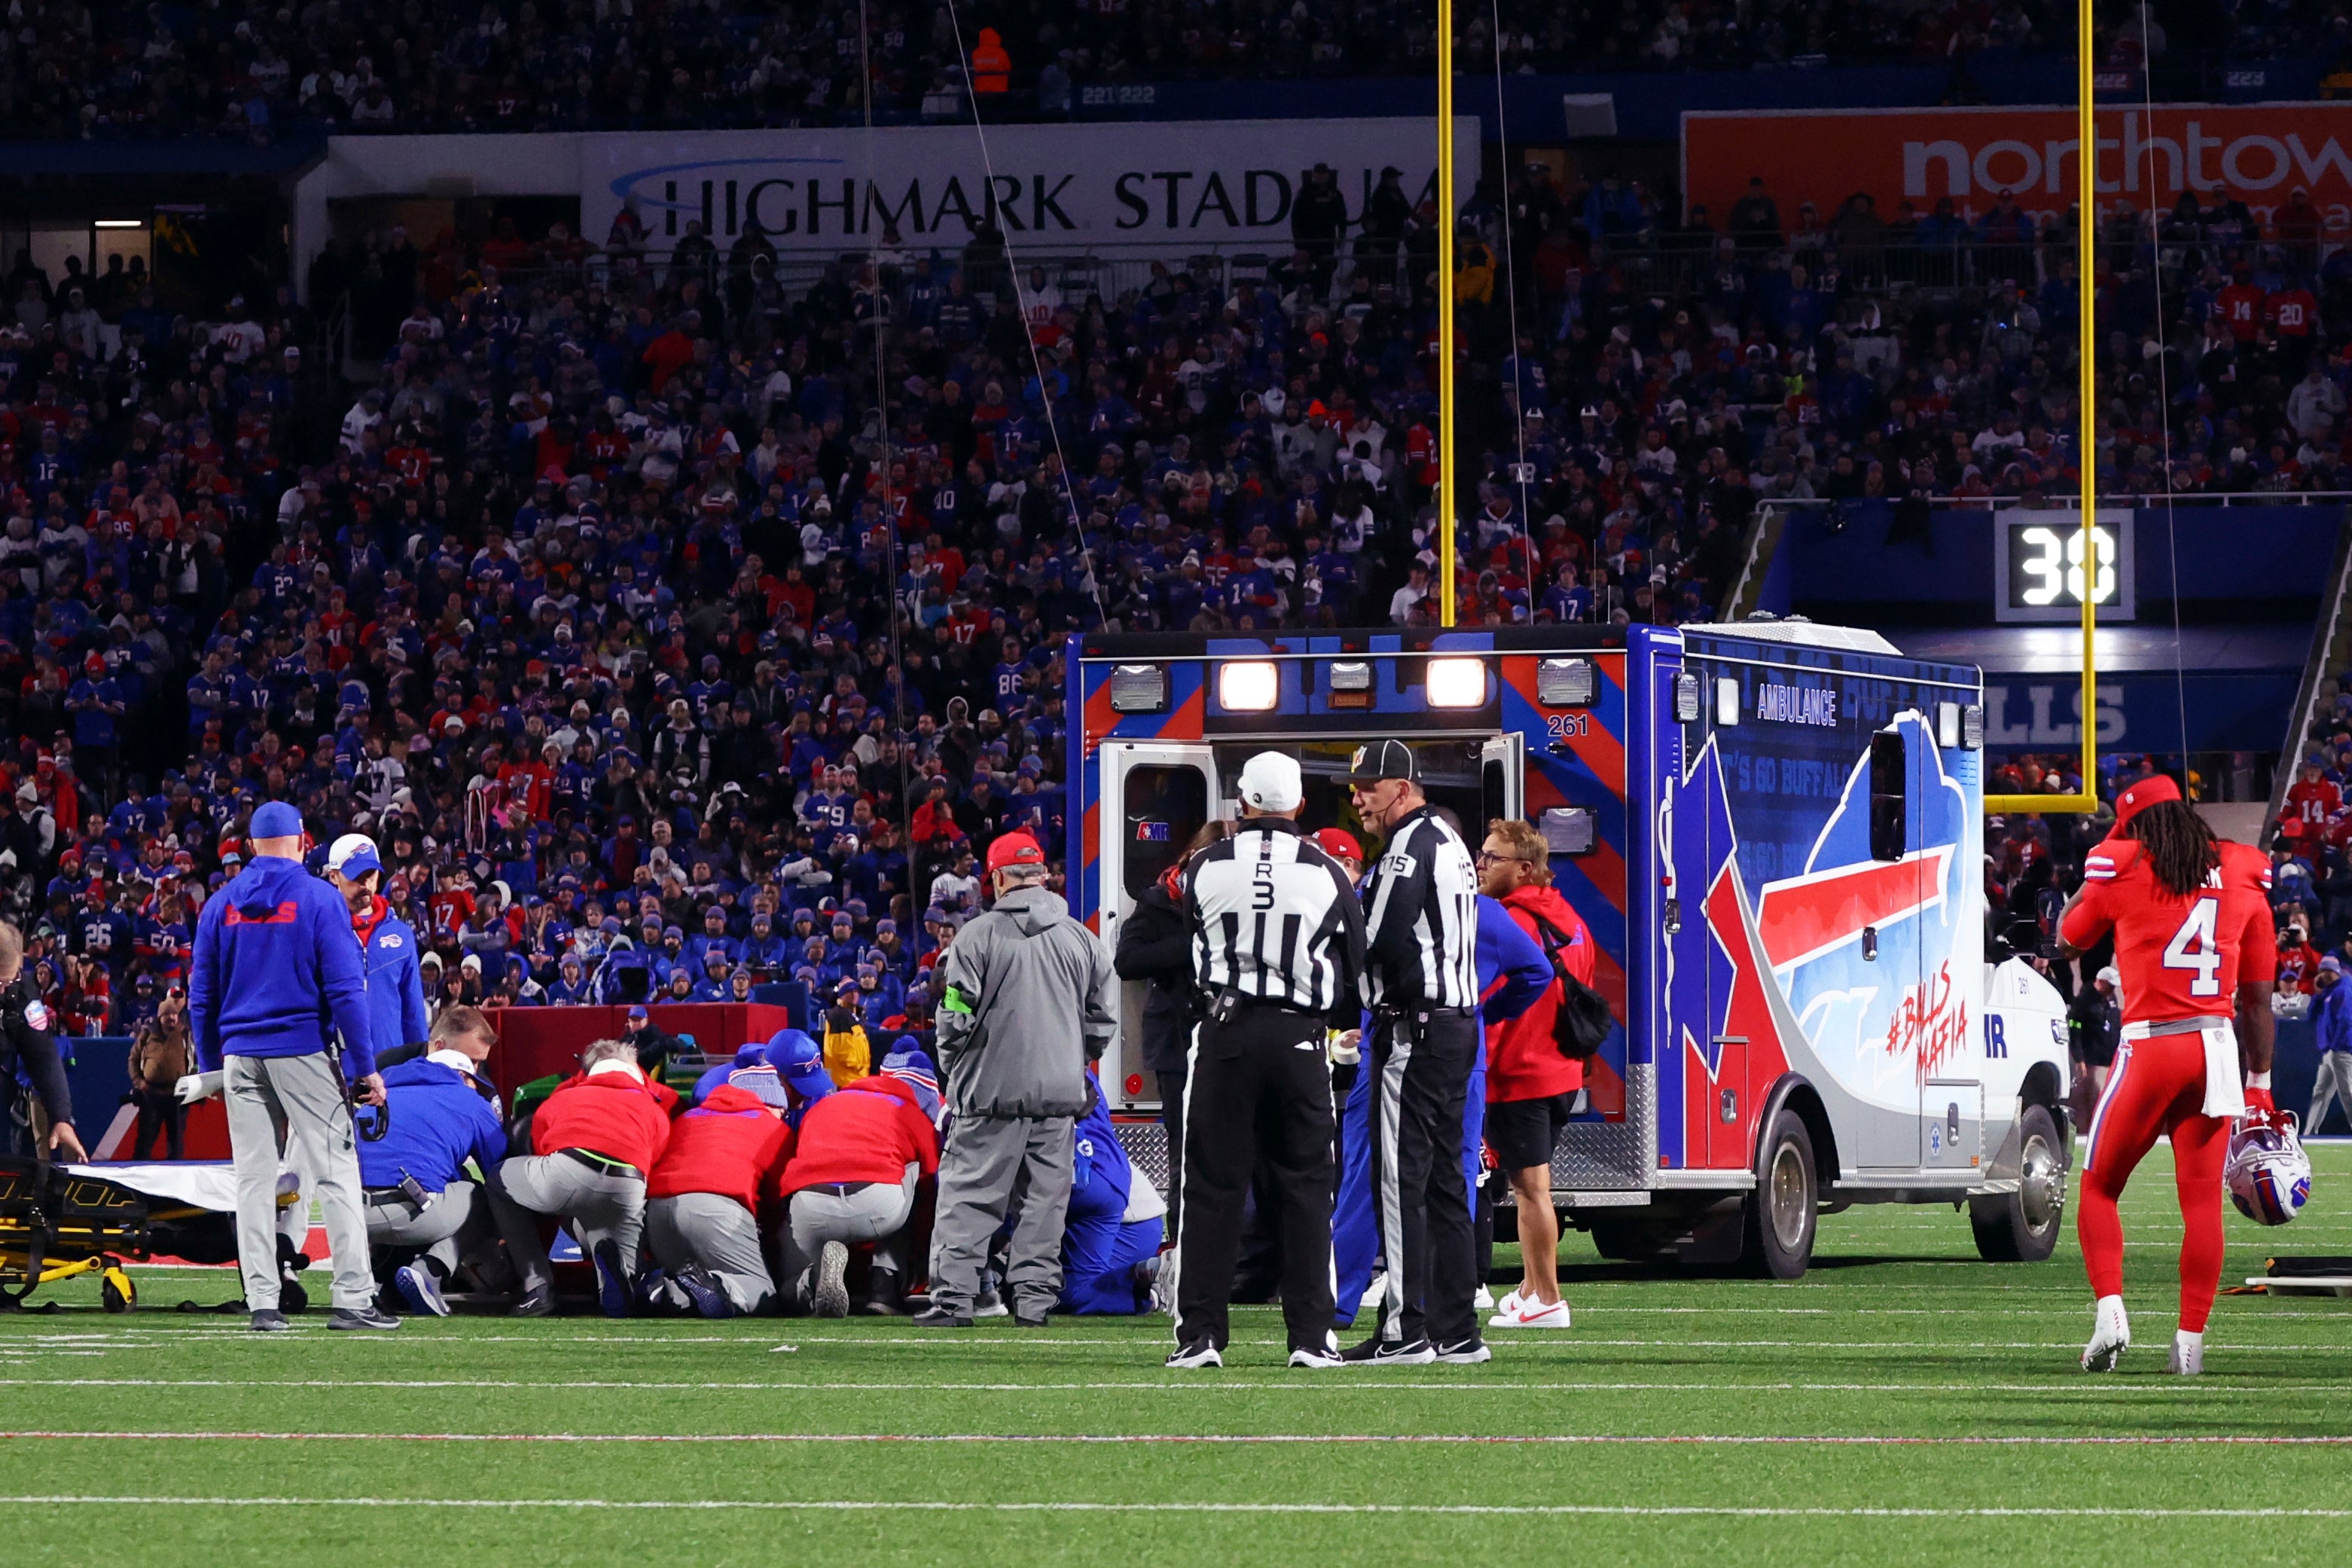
column 42, row 1121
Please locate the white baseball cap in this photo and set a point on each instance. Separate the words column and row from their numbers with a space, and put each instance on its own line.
column 1270, row 782
column 353, row 855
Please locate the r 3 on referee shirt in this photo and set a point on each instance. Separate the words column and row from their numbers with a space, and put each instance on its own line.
column 1277, row 944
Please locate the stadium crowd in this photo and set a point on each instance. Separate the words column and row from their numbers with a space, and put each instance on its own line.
column 264, row 70
column 629, row 618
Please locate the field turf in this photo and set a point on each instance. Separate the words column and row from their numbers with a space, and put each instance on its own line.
column 1903, row 1404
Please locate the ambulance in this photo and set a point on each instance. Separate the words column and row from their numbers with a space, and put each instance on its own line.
column 1774, row 832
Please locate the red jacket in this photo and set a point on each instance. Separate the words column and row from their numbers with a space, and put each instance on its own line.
column 869, row 1131
column 731, row 1144
column 609, row 1114
column 1522, row 1062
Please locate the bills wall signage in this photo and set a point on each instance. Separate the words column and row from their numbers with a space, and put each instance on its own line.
column 2257, row 153
column 1069, row 187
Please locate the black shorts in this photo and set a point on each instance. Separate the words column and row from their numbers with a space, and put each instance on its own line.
column 1522, row 1133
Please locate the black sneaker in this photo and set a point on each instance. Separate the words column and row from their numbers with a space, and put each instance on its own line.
column 1199, row 1353
column 269, row 1320
column 1465, row 1352
column 534, row 1304
column 941, row 1318
column 1376, row 1352
column 1029, row 1317
column 884, row 1295
column 829, row 1286
column 360, row 1318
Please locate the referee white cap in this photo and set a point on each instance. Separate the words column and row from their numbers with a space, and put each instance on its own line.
column 1270, row 783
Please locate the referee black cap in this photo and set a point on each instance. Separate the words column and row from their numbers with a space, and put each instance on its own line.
column 1380, row 760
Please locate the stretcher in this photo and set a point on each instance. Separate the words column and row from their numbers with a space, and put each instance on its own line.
column 60, row 1222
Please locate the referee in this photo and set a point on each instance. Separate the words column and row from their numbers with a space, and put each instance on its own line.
column 1277, row 947
column 1421, row 982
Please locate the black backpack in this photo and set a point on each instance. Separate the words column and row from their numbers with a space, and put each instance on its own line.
column 1582, row 1021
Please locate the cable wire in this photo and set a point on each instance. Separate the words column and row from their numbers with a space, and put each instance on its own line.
column 1519, row 472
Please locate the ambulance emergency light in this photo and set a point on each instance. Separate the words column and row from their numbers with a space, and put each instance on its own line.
column 1457, row 682
column 1248, row 686
column 1137, row 689
column 1567, row 682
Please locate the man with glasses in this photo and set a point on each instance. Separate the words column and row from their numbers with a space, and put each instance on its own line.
column 1421, row 983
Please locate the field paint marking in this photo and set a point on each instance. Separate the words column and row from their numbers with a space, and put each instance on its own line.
column 2067, row 1381
column 1253, row 1439
column 265, row 1344
column 785, row 1505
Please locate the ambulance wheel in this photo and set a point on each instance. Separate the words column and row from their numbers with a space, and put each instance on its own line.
column 1619, row 1240
column 2022, row 1226
column 116, row 1292
column 1783, row 1210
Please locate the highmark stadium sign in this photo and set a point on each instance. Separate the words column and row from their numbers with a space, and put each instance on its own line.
column 1136, row 187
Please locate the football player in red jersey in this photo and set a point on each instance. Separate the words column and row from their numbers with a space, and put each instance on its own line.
column 2192, row 921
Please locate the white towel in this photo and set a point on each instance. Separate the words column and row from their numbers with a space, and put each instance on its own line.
column 2225, row 1093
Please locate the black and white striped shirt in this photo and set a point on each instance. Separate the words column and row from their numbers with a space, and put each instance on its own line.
column 1273, row 917
column 1422, row 919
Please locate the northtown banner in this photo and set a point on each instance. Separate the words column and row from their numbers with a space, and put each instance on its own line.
column 2258, row 154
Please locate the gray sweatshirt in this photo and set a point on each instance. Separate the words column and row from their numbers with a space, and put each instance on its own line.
column 1043, row 999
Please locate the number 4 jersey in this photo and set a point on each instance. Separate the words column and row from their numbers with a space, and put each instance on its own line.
column 2179, row 957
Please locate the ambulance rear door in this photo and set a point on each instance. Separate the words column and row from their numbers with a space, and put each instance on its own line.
column 1156, row 794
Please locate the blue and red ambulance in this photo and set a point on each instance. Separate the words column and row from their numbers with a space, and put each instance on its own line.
column 1774, row 831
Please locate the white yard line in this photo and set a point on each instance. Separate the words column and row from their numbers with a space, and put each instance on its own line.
column 1857, row 1441
column 2061, row 1381
column 781, row 1505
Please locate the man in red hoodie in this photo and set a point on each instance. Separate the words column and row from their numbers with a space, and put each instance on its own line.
column 855, row 1164
column 704, row 1199
column 592, row 1142
column 1530, row 1086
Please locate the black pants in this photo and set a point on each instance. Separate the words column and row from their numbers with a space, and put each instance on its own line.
column 1172, row 1120
column 160, row 1114
column 1421, row 1073
column 1259, row 1091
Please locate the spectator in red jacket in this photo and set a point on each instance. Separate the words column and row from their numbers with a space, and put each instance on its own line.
column 594, row 1140
column 860, row 1152
column 1530, row 1086
column 704, row 1199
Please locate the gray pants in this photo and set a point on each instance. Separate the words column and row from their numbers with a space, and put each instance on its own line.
column 718, row 1233
column 875, row 1213
column 2334, row 1080
column 273, row 1101
column 455, row 1223
column 986, row 1158
column 598, row 1206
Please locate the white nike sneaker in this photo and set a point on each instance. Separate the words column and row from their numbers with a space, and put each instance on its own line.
column 1484, row 1302
column 2110, row 1336
column 1530, row 1314
column 1510, row 1302
column 2188, row 1358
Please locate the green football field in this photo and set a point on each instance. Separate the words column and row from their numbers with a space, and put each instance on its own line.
column 1903, row 1404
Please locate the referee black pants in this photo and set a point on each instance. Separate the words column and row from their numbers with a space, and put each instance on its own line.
column 1258, row 1092
column 1421, row 1073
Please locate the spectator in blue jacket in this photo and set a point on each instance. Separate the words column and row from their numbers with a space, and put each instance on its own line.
column 424, row 1213
column 2333, row 1018
column 395, row 983
column 277, row 975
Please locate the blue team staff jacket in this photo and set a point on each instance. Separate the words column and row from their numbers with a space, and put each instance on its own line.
column 395, row 987
column 278, row 971
column 438, row 1123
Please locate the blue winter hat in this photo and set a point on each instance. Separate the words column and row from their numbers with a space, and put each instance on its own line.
column 276, row 820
